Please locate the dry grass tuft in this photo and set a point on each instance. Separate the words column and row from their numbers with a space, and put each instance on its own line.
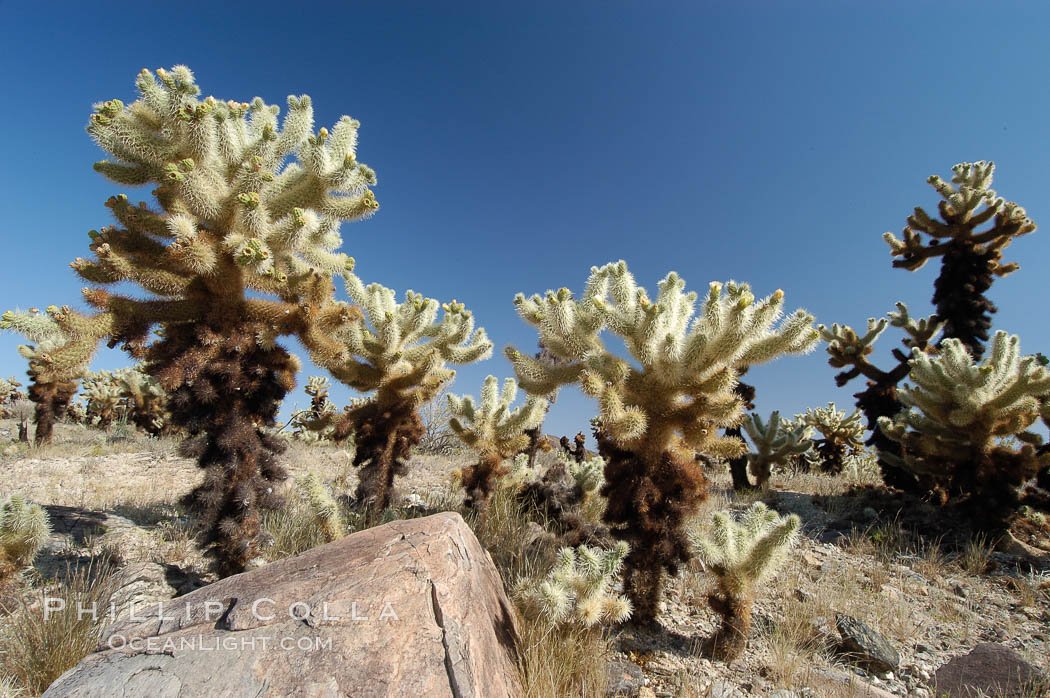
column 38, row 643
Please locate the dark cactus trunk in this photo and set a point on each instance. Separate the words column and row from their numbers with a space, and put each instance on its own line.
column 224, row 387
column 647, row 506
column 51, row 401
column 738, row 465
column 959, row 295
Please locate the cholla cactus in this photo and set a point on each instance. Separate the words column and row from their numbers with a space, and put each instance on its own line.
column 9, row 393
column 21, row 410
column 742, row 554
column 588, row 474
column 495, row 431
column 576, row 450
column 970, row 259
column 843, row 435
column 103, row 399
column 24, row 528
column 955, row 412
column 400, row 357
column 314, row 425
column 322, row 505
column 850, row 350
column 656, row 418
column 238, row 251
column 775, row 441
column 578, row 589
column 145, row 401
column 53, row 382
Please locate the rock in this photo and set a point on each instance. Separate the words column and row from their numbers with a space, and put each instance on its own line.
column 723, row 689
column 143, row 584
column 625, row 679
column 832, row 682
column 414, row 607
column 988, row 669
column 867, row 648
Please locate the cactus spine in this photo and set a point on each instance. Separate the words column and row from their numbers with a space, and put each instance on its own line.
column 742, row 554
column 323, row 506
column 850, row 351
column 495, row 430
column 654, row 420
column 238, row 251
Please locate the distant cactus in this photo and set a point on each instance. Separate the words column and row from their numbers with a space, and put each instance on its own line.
column 970, row 259
column 103, row 400
column 775, row 442
column 578, row 589
column 576, row 450
column 850, row 350
column 665, row 406
column 400, row 357
column 9, row 392
column 314, row 424
column 495, row 430
column 956, row 413
column 843, row 435
column 559, row 493
column 742, row 555
column 56, row 361
column 145, row 401
column 22, row 410
column 24, row 528
column 322, row 505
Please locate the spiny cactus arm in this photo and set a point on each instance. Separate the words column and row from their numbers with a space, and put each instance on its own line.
column 920, row 332
column 769, row 550
column 24, row 528
column 322, row 505
column 959, row 211
column 491, row 424
column 774, row 440
column 222, row 180
column 848, row 349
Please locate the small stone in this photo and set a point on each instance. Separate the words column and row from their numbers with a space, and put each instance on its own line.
column 988, row 669
column 869, row 514
column 867, row 648
column 722, row 689
column 624, row 680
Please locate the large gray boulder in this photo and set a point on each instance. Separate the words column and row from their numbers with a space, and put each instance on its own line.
column 411, row 608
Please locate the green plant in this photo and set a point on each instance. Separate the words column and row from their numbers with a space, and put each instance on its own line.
column 238, row 252
column 145, row 401
column 103, row 401
column 742, row 554
column 775, row 442
column 578, row 588
column 495, row 431
column 24, row 528
column 954, row 413
column 399, row 356
column 842, row 434
column 658, row 413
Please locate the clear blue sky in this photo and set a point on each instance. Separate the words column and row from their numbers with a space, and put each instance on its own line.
column 516, row 145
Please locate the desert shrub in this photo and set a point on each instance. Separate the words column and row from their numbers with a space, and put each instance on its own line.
column 44, row 634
